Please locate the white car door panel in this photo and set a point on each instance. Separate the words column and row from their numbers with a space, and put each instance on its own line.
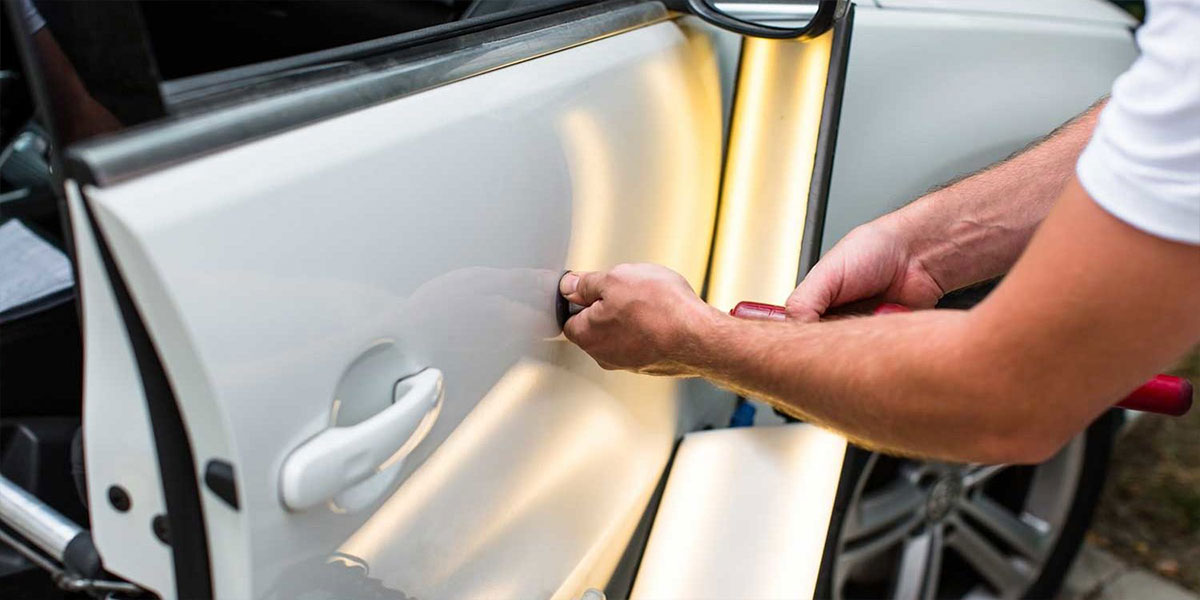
column 429, row 231
column 901, row 133
column 119, row 424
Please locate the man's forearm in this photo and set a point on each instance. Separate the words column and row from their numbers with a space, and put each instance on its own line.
column 1069, row 331
column 975, row 229
column 879, row 381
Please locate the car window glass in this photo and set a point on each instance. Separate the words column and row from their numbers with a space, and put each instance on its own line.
column 109, row 64
column 201, row 36
column 195, row 37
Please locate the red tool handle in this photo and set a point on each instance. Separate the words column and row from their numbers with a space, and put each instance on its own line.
column 758, row 310
column 1164, row 394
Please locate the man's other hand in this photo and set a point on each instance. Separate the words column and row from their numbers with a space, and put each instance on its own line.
column 874, row 261
column 638, row 317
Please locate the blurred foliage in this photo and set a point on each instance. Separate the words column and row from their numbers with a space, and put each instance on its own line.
column 1150, row 512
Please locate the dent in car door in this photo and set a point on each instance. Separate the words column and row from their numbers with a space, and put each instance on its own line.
column 429, row 229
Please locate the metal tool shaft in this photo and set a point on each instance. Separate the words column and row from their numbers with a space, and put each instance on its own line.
column 35, row 520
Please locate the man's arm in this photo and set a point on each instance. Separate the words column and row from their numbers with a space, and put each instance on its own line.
column 1093, row 308
column 80, row 114
column 963, row 233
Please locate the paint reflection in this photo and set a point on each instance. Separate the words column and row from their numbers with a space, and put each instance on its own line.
column 772, row 148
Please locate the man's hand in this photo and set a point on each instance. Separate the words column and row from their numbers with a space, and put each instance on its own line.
column 950, row 238
column 875, row 261
column 641, row 317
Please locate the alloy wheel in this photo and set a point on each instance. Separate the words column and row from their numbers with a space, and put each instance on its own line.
column 922, row 530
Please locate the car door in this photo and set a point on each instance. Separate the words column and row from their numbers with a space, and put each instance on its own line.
column 320, row 304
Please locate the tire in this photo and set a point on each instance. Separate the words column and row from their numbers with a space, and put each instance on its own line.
column 1099, row 438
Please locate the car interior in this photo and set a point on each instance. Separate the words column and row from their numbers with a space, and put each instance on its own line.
column 41, row 356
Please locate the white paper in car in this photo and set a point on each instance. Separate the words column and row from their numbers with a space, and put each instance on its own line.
column 30, row 268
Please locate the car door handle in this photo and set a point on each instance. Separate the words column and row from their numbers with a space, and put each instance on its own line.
column 341, row 457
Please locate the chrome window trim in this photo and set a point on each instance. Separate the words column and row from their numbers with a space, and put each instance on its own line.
column 345, row 88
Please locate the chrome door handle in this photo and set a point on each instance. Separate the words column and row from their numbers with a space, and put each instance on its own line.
column 341, row 457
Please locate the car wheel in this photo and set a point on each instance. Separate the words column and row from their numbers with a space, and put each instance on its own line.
column 923, row 529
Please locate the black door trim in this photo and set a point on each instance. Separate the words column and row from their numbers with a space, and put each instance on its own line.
column 257, row 113
column 176, row 465
column 831, row 116
column 814, row 230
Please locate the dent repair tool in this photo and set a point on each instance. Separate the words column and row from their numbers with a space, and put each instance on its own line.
column 1164, row 394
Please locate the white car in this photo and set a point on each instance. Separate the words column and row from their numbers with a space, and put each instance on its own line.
column 311, row 252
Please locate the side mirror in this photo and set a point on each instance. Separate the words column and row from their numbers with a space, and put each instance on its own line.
column 776, row 19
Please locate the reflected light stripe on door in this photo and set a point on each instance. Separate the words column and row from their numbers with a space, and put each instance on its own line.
column 772, row 148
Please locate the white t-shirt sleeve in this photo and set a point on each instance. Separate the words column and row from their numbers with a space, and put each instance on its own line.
column 1143, row 162
column 33, row 19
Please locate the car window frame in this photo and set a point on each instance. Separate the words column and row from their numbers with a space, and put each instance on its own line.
column 265, row 106
column 188, row 94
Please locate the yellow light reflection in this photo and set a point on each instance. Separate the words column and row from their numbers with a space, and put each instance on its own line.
column 772, row 148
column 461, row 447
column 597, row 565
column 645, row 188
column 592, row 178
column 575, row 442
column 687, row 106
column 554, row 466
column 785, row 487
column 744, row 515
